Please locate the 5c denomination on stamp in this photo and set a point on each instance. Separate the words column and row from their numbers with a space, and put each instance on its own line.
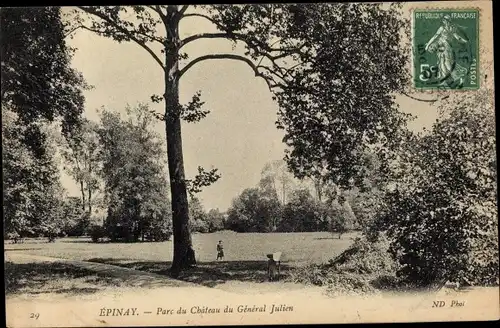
column 446, row 49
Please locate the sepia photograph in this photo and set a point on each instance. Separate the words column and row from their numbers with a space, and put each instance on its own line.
column 249, row 164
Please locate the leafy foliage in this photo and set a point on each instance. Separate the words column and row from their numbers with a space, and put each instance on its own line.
column 331, row 112
column 197, row 215
column 31, row 189
column 301, row 214
column 38, row 87
column 215, row 220
column 366, row 257
column 252, row 211
column 202, row 179
column 341, row 217
column 37, row 80
column 443, row 212
column 133, row 173
column 81, row 154
column 193, row 112
column 76, row 221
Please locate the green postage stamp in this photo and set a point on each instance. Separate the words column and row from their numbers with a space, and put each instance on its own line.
column 446, row 49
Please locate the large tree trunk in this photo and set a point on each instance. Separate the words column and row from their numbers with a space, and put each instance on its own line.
column 89, row 200
column 82, row 190
column 183, row 250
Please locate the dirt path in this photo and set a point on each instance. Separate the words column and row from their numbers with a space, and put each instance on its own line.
column 159, row 300
column 136, row 280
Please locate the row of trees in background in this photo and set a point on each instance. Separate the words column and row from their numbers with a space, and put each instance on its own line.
column 119, row 165
column 283, row 203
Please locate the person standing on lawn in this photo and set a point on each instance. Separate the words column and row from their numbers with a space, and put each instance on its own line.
column 220, row 251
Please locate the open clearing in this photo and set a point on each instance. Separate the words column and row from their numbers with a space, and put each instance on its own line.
column 243, row 269
column 306, row 247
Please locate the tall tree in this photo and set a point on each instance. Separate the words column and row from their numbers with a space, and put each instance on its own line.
column 81, row 153
column 281, row 43
column 442, row 210
column 133, row 171
column 38, row 87
column 300, row 213
column 253, row 211
column 215, row 220
column 275, row 176
column 38, row 82
column 257, row 26
column 32, row 191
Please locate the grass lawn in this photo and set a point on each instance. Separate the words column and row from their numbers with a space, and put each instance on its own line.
column 244, row 262
column 297, row 248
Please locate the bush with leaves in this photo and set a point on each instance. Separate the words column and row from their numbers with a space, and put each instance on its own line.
column 336, row 283
column 253, row 211
column 75, row 221
column 442, row 213
column 215, row 220
column 97, row 233
column 197, row 216
column 364, row 268
column 301, row 213
column 159, row 228
column 366, row 257
column 341, row 217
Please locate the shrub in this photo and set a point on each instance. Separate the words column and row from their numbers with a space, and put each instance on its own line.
column 199, row 226
column 14, row 236
column 349, row 284
column 363, row 268
column 158, row 234
column 443, row 216
column 336, row 282
column 367, row 257
column 97, row 233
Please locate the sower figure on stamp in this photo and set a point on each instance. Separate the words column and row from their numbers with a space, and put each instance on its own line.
column 220, row 251
column 441, row 44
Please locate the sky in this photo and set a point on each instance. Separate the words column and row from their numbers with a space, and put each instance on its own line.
column 239, row 135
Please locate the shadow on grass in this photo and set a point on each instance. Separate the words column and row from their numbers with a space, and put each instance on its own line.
column 329, row 238
column 21, row 249
column 80, row 241
column 208, row 274
column 107, row 241
column 66, row 278
column 46, row 277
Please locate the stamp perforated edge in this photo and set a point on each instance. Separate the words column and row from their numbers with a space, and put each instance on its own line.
column 444, row 91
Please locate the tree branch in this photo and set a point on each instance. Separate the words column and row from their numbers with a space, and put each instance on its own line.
column 158, row 10
column 202, row 16
column 231, row 57
column 424, row 100
column 72, row 31
column 251, row 42
column 153, row 38
column 203, row 36
column 129, row 34
column 182, row 11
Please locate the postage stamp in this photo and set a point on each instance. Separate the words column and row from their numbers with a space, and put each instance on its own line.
column 446, row 49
